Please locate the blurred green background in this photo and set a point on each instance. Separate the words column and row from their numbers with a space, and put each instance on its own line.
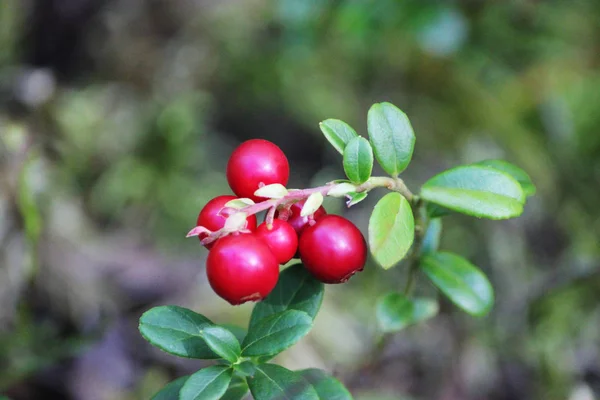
column 116, row 121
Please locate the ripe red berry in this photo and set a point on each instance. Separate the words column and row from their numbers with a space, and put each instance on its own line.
column 333, row 249
column 210, row 218
column 281, row 239
column 298, row 222
column 254, row 162
column 242, row 268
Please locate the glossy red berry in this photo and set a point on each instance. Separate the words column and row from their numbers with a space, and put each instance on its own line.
column 210, row 218
column 298, row 222
column 281, row 239
column 333, row 249
column 254, row 162
column 242, row 268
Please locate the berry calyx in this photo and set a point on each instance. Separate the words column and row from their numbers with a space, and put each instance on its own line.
column 254, row 163
column 242, row 268
column 281, row 239
column 333, row 249
column 298, row 222
column 210, row 217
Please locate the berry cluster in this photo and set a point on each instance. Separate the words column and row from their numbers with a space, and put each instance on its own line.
column 244, row 259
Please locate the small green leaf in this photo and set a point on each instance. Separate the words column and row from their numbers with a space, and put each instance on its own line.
column 514, row 171
column 245, row 368
column 272, row 191
column 273, row 382
column 461, row 281
column 222, row 342
column 476, row 190
column 395, row 311
column 355, row 198
column 207, row 384
column 276, row 333
column 312, row 204
column 391, row 230
column 176, row 330
column 431, row 241
column 237, row 389
column 338, row 133
column 437, row 211
column 358, row 160
column 392, row 137
column 171, row 391
column 296, row 289
column 327, row 387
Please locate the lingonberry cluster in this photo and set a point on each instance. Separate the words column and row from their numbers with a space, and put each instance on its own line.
column 244, row 259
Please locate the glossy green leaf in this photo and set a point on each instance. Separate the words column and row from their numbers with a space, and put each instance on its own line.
column 296, row 289
column 395, row 311
column 391, row 230
column 238, row 331
column 326, row 386
column 222, row 342
column 521, row 176
column 273, row 382
column 275, row 333
column 437, row 211
column 431, row 240
column 171, row 391
column 476, row 190
column 461, row 281
column 338, row 133
column 392, row 137
column 245, row 368
column 176, row 330
column 207, row 384
column 358, row 160
column 355, row 198
column 237, row 389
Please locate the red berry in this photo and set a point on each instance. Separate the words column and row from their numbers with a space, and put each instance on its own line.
column 333, row 249
column 281, row 239
column 242, row 268
column 210, row 218
column 298, row 222
column 254, row 162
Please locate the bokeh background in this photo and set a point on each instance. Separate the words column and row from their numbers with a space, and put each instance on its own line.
column 116, row 121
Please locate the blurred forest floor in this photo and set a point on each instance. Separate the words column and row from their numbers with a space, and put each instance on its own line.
column 116, row 121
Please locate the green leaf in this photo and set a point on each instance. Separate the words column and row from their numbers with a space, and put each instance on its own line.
column 461, row 281
column 327, row 387
column 476, row 190
column 171, row 391
column 436, row 211
column 222, row 342
column 431, row 241
column 391, row 230
column 207, row 384
column 392, row 137
column 358, row 160
column 514, row 171
column 355, row 198
column 395, row 311
column 296, row 289
column 273, row 334
column 237, row 389
column 273, row 382
column 176, row 330
column 238, row 331
column 338, row 133
column 245, row 368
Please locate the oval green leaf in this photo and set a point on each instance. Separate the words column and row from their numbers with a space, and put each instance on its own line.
column 395, row 311
column 437, row 211
column 392, row 137
column 207, row 384
column 237, row 389
column 431, row 241
column 273, row 334
column 355, row 198
column 171, row 391
column 338, row 133
column 476, row 190
column 176, row 330
column 391, row 229
column 296, row 289
column 520, row 176
column 222, row 342
column 273, row 382
column 358, row 160
column 327, row 387
column 463, row 283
